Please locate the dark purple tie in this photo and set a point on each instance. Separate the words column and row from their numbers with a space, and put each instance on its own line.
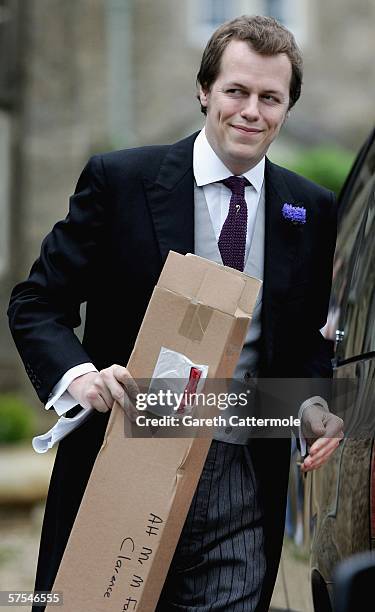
column 232, row 240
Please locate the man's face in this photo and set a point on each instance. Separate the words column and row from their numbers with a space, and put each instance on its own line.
column 246, row 105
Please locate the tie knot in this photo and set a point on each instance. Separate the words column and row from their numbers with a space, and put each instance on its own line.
column 236, row 184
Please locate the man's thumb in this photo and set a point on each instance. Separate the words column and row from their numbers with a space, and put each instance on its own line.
column 317, row 427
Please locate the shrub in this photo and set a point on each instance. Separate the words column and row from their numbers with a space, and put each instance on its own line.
column 324, row 165
column 17, row 420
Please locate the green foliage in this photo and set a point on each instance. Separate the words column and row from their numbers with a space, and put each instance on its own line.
column 17, row 420
column 324, row 165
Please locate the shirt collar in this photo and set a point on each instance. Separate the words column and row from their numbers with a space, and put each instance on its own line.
column 208, row 167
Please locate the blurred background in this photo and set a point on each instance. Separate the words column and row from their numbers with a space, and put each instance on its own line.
column 85, row 76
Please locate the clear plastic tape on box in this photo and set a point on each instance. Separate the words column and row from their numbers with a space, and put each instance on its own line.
column 174, row 381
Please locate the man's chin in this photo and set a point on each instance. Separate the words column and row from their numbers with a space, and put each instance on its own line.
column 244, row 158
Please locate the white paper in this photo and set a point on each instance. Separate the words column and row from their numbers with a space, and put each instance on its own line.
column 42, row 443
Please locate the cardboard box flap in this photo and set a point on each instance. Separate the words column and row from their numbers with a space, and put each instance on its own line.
column 249, row 296
column 182, row 275
column 201, row 280
column 221, row 290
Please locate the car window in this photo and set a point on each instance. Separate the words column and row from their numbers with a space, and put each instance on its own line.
column 359, row 321
column 353, row 282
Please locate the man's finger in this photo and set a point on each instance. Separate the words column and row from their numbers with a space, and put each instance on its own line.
column 314, row 464
column 333, row 426
column 97, row 401
column 115, row 390
column 313, row 429
column 123, row 375
column 130, row 410
column 315, row 460
column 323, row 442
column 324, row 450
column 98, row 395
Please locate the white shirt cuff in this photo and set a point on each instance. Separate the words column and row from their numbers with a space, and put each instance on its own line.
column 60, row 398
column 316, row 399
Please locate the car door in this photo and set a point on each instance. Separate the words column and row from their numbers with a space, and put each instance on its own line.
column 341, row 492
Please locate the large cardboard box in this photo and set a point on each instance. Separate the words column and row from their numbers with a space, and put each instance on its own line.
column 140, row 489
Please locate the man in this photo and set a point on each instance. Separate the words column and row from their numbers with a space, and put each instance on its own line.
column 129, row 209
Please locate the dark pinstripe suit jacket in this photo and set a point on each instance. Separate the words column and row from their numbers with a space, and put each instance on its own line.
column 129, row 209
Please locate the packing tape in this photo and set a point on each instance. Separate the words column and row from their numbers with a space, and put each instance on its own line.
column 195, row 321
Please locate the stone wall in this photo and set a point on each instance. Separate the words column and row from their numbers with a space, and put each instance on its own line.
column 56, row 121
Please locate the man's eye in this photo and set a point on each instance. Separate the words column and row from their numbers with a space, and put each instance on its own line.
column 270, row 98
column 234, row 91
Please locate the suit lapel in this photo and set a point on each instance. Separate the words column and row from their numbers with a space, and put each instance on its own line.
column 281, row 241
column 170, row 197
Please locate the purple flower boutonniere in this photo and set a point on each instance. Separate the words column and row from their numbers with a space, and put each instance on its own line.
column 294, row 214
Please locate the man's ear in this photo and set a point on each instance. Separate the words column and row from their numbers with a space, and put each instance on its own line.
column 203, row 96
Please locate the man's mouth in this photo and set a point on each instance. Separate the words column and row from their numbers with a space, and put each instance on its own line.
column 247, row 130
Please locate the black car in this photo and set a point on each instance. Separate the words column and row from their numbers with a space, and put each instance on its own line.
column 343, row 491
column 339, row 498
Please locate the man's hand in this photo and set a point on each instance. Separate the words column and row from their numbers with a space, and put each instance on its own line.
column 99, row 390
column 323, row 432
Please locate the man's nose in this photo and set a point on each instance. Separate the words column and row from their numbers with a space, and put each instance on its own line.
column 250, row 109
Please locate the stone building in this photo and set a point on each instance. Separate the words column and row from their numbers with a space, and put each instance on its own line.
column 93, row 75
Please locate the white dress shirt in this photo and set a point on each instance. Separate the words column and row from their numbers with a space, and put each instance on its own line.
column 209, row 171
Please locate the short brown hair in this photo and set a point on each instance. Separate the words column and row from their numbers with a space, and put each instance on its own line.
column 263, row 34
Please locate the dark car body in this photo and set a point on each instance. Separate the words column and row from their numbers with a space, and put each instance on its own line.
column 341, row 504
column 339, row 498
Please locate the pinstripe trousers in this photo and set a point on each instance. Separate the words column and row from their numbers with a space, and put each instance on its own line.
column 219, row 563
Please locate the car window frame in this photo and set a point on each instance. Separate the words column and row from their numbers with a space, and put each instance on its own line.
column 344, row 199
